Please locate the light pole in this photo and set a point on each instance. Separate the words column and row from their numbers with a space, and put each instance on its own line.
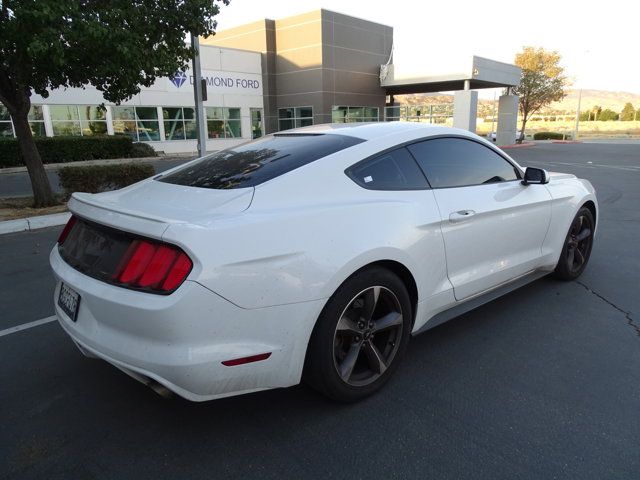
column 197, row 95
column 575, row 135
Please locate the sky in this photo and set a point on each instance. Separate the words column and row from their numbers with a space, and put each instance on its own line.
column 598, row 40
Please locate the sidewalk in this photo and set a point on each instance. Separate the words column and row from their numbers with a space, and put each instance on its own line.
column 34, row 223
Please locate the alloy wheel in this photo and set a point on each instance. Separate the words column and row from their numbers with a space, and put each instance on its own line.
column 367, row 336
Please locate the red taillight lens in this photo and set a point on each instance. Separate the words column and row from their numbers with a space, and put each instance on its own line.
column 155, row 266
column 67, row 228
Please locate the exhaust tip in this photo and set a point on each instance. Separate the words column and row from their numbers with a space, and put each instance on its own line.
column 160, row 389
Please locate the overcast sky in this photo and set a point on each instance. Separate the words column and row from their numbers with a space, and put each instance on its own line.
column 598, row 41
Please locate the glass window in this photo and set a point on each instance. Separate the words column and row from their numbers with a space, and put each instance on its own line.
column 6, row 127
column 36, row 121
column 65, row 120
column 258, row 161
column 346, row 114
column 179, row 123
column 147, row 123
column 294, row 117
column 232, row 117
column 124, row 122
column 140, row 123
column 93, row 119
column 256, row 123
column 394, row 170
column 457, row 162
column 223, row 122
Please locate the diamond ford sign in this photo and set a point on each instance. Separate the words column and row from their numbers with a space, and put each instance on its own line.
column 218, row 82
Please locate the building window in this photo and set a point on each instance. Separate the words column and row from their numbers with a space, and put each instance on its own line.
column 36, row 121
column 344, row 114
column 294, row 117
column 140, row 123
column 93, row 119
column 35, row 117
column 223, row 122
column 65, row 120
column 179, row 123
column 6, row 127
column 256, row 123
column 436, row 113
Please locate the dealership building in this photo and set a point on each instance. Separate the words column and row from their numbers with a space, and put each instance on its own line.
column 274, row 75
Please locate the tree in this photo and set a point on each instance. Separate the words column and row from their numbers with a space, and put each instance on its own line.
column 596, row 111
column 542, row 81
column 607, row 115
column 628, row 112
column 115, row 45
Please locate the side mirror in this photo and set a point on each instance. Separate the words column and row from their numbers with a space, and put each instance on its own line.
column 534, row 175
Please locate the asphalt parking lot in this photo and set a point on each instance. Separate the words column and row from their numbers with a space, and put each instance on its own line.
column 542, row 383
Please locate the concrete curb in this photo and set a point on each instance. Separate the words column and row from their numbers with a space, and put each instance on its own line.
column 521, row 145
column 34, row 223
column 111, row 161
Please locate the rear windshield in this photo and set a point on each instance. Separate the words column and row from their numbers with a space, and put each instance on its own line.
column 258, row 161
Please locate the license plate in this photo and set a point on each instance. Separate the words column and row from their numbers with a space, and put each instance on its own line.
column 68, row 301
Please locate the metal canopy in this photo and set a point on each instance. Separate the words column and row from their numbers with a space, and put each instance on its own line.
column 477, row 71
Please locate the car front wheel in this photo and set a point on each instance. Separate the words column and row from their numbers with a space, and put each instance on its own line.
column 577, row 246
column 360, row 336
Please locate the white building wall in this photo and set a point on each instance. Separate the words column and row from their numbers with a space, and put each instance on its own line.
column 234, row 80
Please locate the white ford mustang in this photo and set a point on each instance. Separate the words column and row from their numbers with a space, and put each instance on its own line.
column 309, row 254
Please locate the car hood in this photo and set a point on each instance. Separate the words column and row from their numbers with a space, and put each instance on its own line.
column 149, row 207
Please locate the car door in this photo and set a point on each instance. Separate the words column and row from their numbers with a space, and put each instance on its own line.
column 493, row 226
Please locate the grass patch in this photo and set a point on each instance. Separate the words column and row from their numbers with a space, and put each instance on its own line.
column 22, row 207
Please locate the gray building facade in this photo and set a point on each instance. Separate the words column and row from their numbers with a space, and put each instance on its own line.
column 318, row 67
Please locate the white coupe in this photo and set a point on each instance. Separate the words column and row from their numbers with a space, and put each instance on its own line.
column 309, row 254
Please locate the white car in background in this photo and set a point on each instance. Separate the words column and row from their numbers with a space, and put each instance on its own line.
column 310, row 254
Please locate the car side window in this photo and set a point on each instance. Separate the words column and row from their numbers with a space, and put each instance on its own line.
column 393, row 170
column 458, row 162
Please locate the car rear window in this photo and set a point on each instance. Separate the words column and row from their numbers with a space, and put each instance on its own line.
column 256, row 162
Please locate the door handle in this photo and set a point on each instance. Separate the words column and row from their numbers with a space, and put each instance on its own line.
column 461, row 215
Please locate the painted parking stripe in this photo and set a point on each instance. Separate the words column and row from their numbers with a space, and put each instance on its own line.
column 25, row 326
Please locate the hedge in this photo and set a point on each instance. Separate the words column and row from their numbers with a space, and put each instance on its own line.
column 74, row 149
column 551, row 136
column 100, row 178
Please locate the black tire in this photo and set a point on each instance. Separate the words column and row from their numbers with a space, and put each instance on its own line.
column 333, row 366
column 577, row 246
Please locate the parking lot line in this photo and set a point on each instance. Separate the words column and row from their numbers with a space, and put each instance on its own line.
column 25, row 326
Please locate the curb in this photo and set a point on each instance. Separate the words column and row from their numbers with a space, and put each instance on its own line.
column 521, row 145
column 34, row 223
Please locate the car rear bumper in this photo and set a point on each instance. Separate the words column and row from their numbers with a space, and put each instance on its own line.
column 180, row 340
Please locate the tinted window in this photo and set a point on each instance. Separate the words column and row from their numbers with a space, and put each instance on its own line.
column 456, row 162
column 394, row 170
column 258, row 161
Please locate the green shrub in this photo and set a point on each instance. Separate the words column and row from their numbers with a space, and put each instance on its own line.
column 74, row 149
column 9, row 153
column 140, row 149
column 100, row 178
column 550, row 136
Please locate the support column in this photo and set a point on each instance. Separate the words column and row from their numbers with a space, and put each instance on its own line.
column 465, row 110
column 507, row 120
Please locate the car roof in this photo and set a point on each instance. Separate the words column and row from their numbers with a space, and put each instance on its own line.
column 372, row 130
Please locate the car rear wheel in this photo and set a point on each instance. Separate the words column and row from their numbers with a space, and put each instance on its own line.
column 360, row 336
column 577, row 246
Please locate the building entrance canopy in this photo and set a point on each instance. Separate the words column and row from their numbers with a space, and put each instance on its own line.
column 473, row 73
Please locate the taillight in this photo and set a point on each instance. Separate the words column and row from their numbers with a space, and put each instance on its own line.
column 67, row 228
column 154, row 266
